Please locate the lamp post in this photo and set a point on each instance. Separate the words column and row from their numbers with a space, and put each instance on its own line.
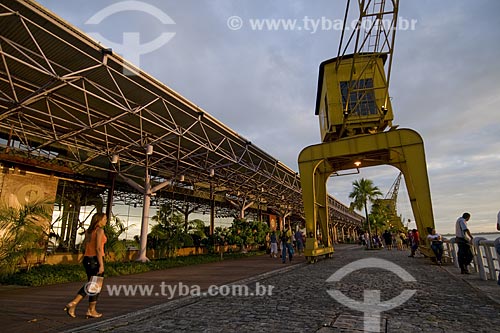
column 212, row 202
column 147, row 191
column 145, row 207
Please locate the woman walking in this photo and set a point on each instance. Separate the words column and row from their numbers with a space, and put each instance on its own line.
column 93, row 261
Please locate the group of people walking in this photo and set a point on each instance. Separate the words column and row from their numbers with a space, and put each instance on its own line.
column 287, row 242
column 463, row 239
column 411, row 240
column 392, row 240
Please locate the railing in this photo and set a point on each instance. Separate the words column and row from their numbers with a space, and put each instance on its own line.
column 486, row 260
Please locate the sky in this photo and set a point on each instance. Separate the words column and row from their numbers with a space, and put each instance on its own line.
column 262, row 82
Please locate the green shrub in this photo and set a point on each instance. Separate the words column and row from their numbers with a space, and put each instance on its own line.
column 46, row 274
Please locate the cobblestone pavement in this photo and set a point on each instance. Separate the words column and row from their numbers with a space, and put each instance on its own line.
column 443, row 301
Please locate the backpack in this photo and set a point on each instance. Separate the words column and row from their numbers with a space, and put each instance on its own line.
column 284, row 237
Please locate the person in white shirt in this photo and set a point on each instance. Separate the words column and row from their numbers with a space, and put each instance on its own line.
column 436, row 245
column 464, row 244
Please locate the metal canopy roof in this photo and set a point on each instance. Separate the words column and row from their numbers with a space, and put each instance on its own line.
column 65, row 97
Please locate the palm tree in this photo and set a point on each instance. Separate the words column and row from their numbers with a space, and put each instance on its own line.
column 363, row 192
column 24, row 234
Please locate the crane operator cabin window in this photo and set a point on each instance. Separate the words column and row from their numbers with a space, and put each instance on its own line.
column 361, row 98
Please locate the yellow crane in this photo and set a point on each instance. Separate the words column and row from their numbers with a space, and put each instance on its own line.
column 389, row 202
column 355, row 116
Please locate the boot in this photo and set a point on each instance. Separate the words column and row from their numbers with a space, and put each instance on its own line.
column 91, row 312
column 71, row 306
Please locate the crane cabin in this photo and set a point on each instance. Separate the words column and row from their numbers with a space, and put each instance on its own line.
column 352, row 96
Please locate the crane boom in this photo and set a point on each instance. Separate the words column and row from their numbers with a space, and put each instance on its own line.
column 393, row 191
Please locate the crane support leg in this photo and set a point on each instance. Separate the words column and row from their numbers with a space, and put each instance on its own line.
column 402, row 148
column 313, row 177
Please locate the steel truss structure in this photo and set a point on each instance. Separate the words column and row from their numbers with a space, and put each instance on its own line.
column 71, row 107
